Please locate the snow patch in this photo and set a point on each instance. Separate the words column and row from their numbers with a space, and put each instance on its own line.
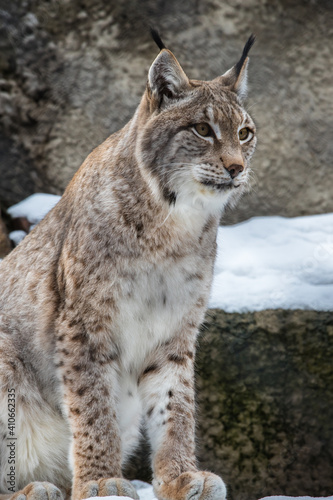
column 17, row 236
column 35, row 207
column 296, row 498
column 145, row 492
column 275, row 262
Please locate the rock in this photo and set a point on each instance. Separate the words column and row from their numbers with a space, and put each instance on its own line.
column 5, row 246
column 21, row 224
column 265, row 395
column 265, row 403
column 73, row 74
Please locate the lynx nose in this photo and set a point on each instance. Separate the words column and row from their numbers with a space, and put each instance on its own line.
column 234, row 169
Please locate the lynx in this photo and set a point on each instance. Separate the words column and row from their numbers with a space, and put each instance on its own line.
column 101, row 303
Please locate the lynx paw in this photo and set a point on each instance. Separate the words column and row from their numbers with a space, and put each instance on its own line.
column 191, row 486
column 38, row 491
column 107, row 487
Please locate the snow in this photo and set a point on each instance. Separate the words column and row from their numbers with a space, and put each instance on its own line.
column 144, row 495
column 35, row 207
column 275, row 262
column 296, row 498
column 145, row 492
column 263, row 263
column 17, row 236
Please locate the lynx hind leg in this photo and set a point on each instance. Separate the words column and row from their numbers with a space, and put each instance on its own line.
column 34, row 436
column 38, row 491
column 42, row 437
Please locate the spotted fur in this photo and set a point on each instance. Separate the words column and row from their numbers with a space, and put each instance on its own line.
column 101, row 303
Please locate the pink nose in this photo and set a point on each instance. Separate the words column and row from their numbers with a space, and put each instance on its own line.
column 234, row 169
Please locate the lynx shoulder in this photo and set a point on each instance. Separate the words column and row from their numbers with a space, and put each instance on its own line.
column 101, row 303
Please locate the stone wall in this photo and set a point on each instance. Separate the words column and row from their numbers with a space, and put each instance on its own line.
column 72, row 72
column 265, row 403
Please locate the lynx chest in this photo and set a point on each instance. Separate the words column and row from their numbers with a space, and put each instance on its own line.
column 155, row 299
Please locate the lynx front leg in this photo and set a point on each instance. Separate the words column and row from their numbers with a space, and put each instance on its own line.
column 168, row 394
column 89, row 373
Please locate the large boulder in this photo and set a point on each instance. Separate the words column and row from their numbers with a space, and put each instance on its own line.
column 265, row 398
column 73, row 72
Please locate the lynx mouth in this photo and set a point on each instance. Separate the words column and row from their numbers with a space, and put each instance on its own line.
column 220, row 186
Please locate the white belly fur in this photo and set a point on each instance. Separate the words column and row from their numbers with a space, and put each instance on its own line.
column 153, row 312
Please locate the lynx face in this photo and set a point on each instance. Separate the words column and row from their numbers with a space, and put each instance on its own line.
column 203, row 157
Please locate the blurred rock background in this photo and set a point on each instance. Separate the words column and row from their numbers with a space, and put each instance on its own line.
column 72, row 72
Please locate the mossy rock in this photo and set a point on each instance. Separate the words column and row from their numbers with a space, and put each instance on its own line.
column 265, row 397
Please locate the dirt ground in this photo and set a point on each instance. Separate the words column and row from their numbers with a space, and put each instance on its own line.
column 72, row 72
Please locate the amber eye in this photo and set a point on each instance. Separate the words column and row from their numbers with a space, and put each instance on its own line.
column 203, row 129
column 244, row 133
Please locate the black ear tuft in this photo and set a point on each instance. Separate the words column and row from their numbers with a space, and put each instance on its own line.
column 246, row 50
column 157, row 39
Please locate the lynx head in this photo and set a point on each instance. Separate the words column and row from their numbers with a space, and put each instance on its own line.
column 195, row 139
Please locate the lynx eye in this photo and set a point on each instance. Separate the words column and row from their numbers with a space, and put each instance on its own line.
column 203, row 129
column 245, row 134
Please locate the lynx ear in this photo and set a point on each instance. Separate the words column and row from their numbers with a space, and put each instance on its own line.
column 166, row 77
column 236, row 77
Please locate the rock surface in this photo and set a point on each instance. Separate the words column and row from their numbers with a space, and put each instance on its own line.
column 73, row 72
column 265, row 403
column 265, row 393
